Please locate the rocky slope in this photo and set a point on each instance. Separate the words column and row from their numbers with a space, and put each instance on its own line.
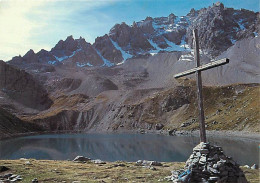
column 234, row 108
column 21, row 87
column 10, row 125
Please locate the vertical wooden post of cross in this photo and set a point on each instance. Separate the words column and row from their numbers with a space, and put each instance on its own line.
column 199, row 87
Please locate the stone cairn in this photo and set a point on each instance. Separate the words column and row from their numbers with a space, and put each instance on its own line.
column 209, row 164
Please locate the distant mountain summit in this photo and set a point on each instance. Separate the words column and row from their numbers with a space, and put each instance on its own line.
column 218, row 28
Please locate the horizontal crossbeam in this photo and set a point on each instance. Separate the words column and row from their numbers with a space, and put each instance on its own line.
column 203, row 67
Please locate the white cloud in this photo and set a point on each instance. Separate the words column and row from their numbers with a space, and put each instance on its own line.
column 16, row 27
column 37, row 24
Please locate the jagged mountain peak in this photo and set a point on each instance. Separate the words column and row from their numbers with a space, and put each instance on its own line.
column 69, row 44
column 193, row 13
column 69, row 38
column 219, row 28
column 218, row 4
column 29, row 53
column 148, row 18
column 42, row 51
column 30, row 56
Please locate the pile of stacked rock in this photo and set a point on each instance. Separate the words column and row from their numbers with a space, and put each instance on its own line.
column 208, row 163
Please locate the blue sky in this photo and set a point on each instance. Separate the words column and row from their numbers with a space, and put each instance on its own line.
column 36, row 24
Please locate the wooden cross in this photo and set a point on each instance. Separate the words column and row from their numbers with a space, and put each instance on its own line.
column 198, row 70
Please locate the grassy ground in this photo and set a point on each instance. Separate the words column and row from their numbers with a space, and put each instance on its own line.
column 67, row 171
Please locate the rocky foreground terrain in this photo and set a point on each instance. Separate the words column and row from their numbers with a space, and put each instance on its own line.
column 68, row 171
column 124, row 81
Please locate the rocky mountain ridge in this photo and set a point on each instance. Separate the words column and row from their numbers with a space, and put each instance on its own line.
column 218, row 28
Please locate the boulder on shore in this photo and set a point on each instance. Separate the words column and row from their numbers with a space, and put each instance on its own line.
column 81, row 159
column 148, row 163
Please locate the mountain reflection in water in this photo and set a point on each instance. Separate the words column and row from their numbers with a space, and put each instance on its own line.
column 126, row 147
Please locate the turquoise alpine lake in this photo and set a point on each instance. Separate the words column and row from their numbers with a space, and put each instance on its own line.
column 125, row 147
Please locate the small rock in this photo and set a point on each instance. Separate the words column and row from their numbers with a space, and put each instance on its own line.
column 204, row 151
column 218, row 111
column 35, row 180
column 246, row 166
column 213, row 178
column 214, row 122
column 155, row 163
column 23, row 159
column 98, row 161
column 81, row 159
column 152, row 168
column 185, row 124
column 120, row 164
column 13, row 176
column 139, row 162
column 131, row 115
column 27, row 163
column 159, row 126
column 7, row 175
column 213, row 170
column 142, row 131
column 172, row 132
column 148, row 163
column 255, row 166
column 203, row 160
column 13, row 180
column 19, row 177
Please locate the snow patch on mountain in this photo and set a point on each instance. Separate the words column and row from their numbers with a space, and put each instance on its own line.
column 233, row 41
column 125, row 55
column 83, row 64
column 241, row 26
column 179, row 23
column 156, row 48
column 173, row 46
column 52, row 62
column 106, row 62
column 184, row 44
column 60, row 59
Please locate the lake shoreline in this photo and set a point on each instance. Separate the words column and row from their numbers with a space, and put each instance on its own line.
column 230, row 134
column 127, row 146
